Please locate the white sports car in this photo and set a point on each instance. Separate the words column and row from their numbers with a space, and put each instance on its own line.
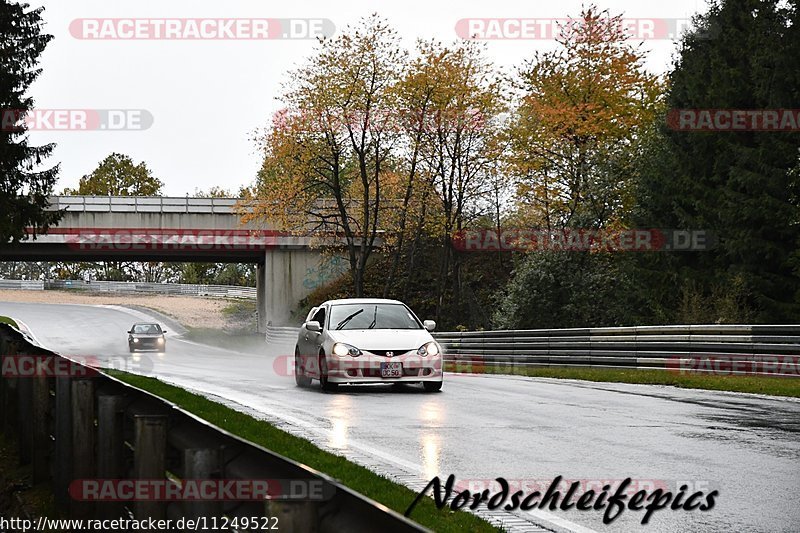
column 367, row 340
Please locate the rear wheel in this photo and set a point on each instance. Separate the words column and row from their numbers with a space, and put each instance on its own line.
column 299, row 372
column 323, row 375
column 432, row 386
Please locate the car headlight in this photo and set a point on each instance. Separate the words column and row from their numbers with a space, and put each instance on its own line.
column 341, row 349
column 135, row 340
column 161, row 340
column 430, row 348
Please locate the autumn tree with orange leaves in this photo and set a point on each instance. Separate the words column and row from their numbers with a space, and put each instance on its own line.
column 581, row 111
column 327, row 152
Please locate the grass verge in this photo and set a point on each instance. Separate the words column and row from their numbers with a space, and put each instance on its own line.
column 6, row 320
column 244, row 340
column 356, row 477
column 774, row 386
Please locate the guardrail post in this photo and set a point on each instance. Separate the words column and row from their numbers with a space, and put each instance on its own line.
column 62, row 471
column 110, row 442
column 149, row 460
column 202, row 464
column 40, row 421
column 83, row 440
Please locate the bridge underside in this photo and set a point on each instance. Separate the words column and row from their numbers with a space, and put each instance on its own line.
column 284, row 275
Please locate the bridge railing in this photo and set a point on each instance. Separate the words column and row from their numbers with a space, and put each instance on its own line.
column 731, row 349
column 79, row 428
column 144, row 204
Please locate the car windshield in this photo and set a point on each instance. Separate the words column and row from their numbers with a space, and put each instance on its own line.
column 372, row 316
column 147, row 329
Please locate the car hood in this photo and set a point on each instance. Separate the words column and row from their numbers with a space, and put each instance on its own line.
column 382, row 339
column 146, row 335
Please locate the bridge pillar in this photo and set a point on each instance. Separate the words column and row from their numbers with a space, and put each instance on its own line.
column 261, row 298
column 287, row 276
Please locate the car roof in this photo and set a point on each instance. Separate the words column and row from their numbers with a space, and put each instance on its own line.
column 361, row 301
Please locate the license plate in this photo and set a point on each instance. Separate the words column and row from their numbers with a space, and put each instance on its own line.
column 391, row 370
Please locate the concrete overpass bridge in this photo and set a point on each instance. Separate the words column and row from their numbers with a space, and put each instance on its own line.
column 127, row 228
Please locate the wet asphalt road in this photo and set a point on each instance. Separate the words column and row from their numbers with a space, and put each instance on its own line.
column 481, row 427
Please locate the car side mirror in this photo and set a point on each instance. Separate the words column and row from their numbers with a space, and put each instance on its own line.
column 130, row 331
column 430, row 325
column 163, row 331
column 313, row 325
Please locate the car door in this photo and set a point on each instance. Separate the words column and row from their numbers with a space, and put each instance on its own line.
column 302, row 342
column 312, row 340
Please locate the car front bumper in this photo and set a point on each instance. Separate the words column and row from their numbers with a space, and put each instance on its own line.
column 366, row 368
column 148, row 344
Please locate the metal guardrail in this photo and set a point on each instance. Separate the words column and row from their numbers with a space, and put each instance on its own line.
column 281, row 335
column 78, row 424
column 182, row 289
column 144, row 204
column 734, row 349
column 21, row 284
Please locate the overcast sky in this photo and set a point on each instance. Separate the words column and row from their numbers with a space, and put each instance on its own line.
column 207, row 97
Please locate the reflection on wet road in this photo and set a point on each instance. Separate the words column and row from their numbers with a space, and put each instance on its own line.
column 482, row 427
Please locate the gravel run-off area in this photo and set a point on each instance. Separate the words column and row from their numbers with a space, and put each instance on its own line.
column 191, row 312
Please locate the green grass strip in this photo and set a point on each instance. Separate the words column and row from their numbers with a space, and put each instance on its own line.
column 6, row 320
column 772, row 385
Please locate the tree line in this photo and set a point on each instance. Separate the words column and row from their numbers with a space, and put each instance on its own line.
column 390, row 153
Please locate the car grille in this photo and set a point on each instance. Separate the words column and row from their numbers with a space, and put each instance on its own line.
column 389, row 353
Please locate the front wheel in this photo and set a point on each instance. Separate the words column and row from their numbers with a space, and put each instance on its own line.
column 326, row 385
column 299, row 373
column 432, row 386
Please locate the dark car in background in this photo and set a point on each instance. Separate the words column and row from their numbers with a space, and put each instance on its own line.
column 146, row 336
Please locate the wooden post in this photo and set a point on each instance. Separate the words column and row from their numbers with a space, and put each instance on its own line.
column 24, row 420
column 110, row 443
column 295, row 515
column 40, row 421
column 149, row 460
column 202, row 464
column 62, row 460
column 83, row 441
column 10, row 398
